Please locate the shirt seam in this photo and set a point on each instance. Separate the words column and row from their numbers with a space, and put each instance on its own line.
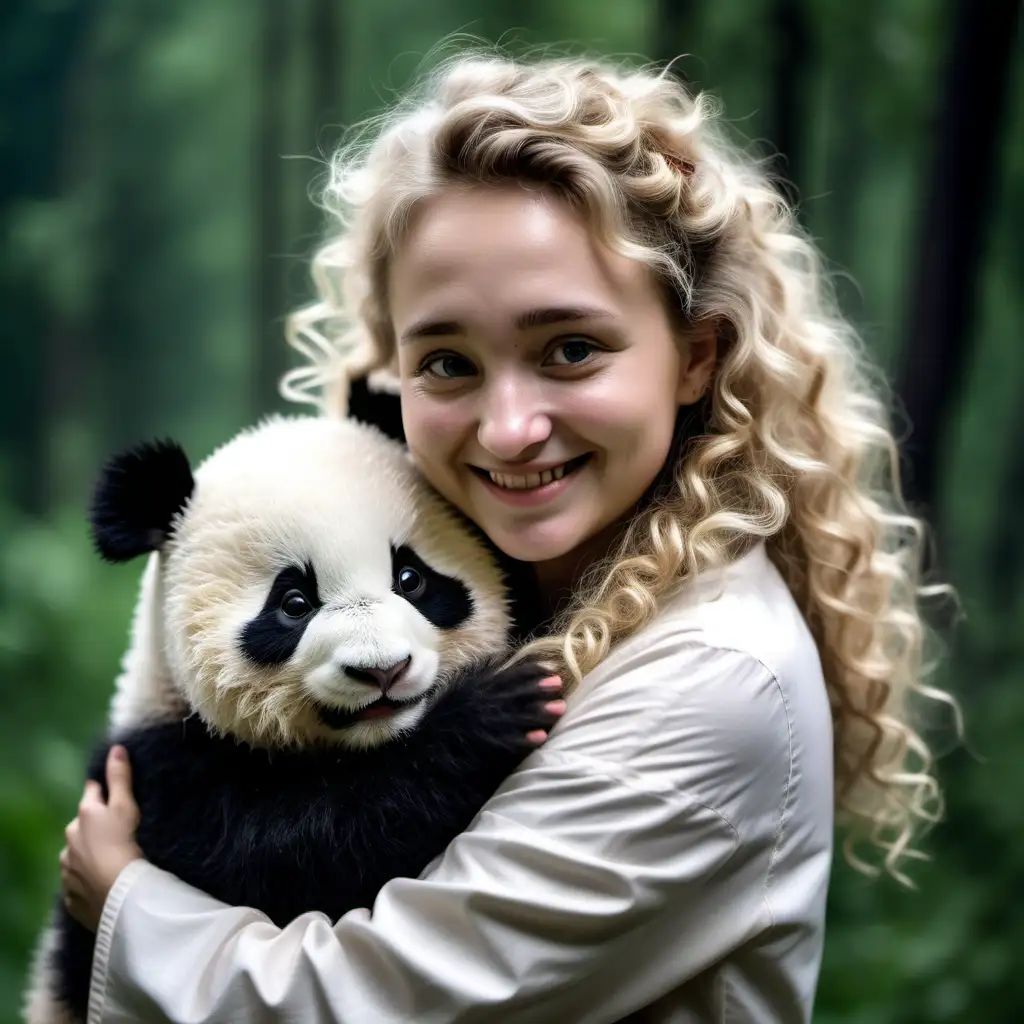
column 773, row 858
column 787, row 791
column 698, row 639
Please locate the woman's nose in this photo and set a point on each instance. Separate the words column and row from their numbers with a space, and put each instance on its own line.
column 511, row 421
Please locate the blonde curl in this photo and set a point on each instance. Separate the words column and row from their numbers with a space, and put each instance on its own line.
column 797, row 448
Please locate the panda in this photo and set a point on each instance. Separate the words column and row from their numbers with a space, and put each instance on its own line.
column 317, row 697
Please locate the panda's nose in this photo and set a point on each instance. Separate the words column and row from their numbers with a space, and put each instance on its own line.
column 384, row 678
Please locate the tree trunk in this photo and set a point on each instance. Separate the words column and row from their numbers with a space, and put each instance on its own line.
column 324, row 49
column 269, row 356
column 70, row 361
column 1007, row 548
column 33, row 172
column 672, row 22
column 325, row 53
column 789, row 113
column 951, row 234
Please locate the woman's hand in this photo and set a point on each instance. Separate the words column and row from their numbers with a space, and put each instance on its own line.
column 100, row 841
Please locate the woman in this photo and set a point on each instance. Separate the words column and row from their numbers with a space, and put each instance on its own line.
column 618, row 356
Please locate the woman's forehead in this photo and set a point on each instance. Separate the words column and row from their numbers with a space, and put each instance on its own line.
column 504, row 253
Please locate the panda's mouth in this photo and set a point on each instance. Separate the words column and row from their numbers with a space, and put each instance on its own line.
column 383, row 707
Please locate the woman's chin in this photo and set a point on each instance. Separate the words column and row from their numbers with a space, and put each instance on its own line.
column 531, row 545
column 542, row 542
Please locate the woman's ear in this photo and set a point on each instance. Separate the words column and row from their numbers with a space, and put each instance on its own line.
column 699, row 359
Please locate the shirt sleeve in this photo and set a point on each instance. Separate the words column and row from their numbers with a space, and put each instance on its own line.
column 603, row 874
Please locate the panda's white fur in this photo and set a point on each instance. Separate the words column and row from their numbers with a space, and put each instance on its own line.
column 144, row 690
column 334, row 493
column 40, row 1005
column 338, row 495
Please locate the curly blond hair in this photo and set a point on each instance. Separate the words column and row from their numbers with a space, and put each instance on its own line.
column 797, row 449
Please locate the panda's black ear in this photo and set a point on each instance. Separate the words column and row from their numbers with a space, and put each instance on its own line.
column 136, row 498
column 378, row 408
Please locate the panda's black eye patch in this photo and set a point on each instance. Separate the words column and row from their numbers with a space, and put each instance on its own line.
column 444, row 600
column 271, row 637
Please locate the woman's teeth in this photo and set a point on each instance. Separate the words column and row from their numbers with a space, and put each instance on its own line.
column 525, row 483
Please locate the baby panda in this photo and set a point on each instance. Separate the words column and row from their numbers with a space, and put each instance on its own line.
column 314, row 700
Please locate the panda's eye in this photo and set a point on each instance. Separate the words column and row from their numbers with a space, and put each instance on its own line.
column 295, row 605
column 410, row 582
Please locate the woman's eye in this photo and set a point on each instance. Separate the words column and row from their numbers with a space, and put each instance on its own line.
column 410, row 582
column 447, row 366
column 295, row 605
column 572, row 353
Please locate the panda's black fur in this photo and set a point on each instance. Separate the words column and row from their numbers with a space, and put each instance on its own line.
column 288, row 831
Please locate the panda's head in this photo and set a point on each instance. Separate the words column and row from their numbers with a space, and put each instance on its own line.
column 311, row 587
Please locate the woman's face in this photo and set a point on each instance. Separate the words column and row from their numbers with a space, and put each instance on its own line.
column 541, row 374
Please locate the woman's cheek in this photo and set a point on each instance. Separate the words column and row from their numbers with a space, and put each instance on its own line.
column 432, row 431
column 416, row 405
column 626, row 409
column 428, row 424
column 605, row 414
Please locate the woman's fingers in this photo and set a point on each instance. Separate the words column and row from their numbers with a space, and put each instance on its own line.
column 119, row 773
column 68, row 879
column 119, row 781
column 91, row 795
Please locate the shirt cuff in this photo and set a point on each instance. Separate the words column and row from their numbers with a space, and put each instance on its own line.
column 105, row 933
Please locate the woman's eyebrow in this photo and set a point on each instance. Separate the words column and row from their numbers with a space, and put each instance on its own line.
column 524, row 321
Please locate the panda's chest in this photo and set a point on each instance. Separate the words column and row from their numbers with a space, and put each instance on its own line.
column 222, row 793
column 284, row 833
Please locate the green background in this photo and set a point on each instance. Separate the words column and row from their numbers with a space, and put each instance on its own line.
column 155, row 164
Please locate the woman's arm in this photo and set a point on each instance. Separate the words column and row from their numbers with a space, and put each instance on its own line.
column 608, row 870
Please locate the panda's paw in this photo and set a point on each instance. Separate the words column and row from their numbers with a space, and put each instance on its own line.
column 518, row 706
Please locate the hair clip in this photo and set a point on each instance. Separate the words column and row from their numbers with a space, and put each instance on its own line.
column 684, row 167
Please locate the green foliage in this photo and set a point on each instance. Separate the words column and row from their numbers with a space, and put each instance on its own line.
column 129, row 208
column 63, row 617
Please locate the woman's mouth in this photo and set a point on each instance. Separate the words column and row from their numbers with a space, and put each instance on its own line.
column 530, row 488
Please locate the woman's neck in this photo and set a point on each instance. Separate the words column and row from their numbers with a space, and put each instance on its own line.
column 557, row 578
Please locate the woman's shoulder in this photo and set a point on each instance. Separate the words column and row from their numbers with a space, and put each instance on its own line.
column 722, row 694
column 743, row 613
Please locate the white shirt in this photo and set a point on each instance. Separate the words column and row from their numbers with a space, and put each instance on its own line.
column 664, row 857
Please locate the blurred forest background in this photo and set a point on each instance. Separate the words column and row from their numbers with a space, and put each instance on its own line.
column 155, row 162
